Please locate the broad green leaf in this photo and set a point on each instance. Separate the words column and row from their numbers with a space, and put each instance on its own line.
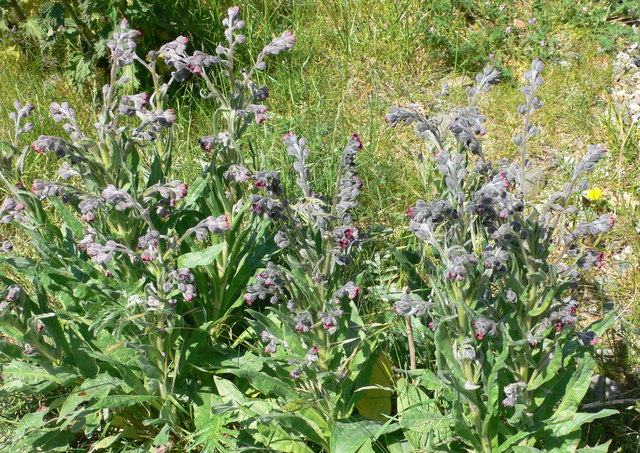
column 302, row 426
column 45, row 440
column 492, row 389
column 201, row 258
column 548, row 370
column 567, row 443
column 507, row 444
column 400, row 447
column 97, row 389
column 429, row 380
column 277, row 439
column 10, row 350
column 376, row 402
column 105, row 442
column 577, row 386
column 163, row 436
column 211, row 433
column 600, row 327
column 156, row 174
column 415, row 281
column 84, row 362
column 228, row 391
column 69, row 219
column 572, row 422
column 539, row 309
column 19, row 374
column 195, row 190
column 262, row 382
column 112, row 401
column 30, row 422
column 602, row 448
column 354, row 435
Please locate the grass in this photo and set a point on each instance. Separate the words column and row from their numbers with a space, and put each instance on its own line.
column 355, row 58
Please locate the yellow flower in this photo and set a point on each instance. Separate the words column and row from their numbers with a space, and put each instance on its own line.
column 594, row 194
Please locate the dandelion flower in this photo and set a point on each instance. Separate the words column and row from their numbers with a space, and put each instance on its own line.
column 594, row 194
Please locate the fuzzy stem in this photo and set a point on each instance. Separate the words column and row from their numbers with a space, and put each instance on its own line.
column 412, row 346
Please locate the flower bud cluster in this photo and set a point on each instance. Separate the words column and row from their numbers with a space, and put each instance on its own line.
column 123, row 44
column 329, row 319
column 269, row 284
column 44, row 189
column 493, row 200
column 174, row 54
column 132, row 104
column 153, row 123
column 22, row 111
column 601, row 225
column 268, row 207
column 11, row 298
column 183, row 279
column 11, row 210
column 209, row 142
column 269, row 181
column 459, row 264
column 437, row 212
column 512, row 391
column 6, row 247
column 349, row 289
column 46, row 143
column 104, row 254
column 310, row 358
column 259, row 112
column 495, row 258
column 350, row 184
column 214, row 225
column 172, row 192
column 282, row 43
column 298, row 149
column 484, row 327
column 590, row 259
column 271, row 342
column 408, row 305
column 466, row 127
column 589, row 161
column 121, row 199
column 65, row 114
column 346, row 236
column 148, row 245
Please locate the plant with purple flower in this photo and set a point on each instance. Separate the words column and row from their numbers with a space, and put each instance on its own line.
column 130, row 253
column 307, row 302
column 500, row 272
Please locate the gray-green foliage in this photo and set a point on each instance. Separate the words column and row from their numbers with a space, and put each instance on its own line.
column 318, row 348
column 511, row 368
column 119, row 324
column 136, row 272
